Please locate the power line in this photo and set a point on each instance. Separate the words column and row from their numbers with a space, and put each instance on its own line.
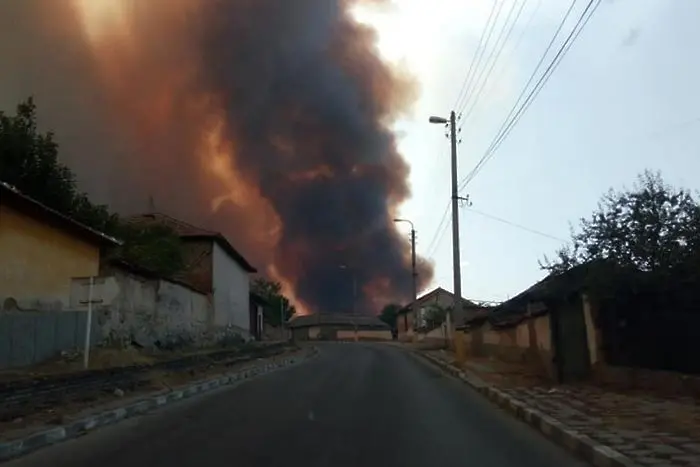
column 513, row 109
column 515, row 47
column 439, row 232
column 519, row 226
column 515, row 115
column 477, row 53
column 502, row 39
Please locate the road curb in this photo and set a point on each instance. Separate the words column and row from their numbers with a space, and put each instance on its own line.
column 45, row 438
column 585, row 447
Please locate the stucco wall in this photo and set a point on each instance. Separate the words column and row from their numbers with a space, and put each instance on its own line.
column 149, row 312
column 364, row 334
column 528, row 342
column 38, row 261
column 231, row 291
column 592, row 333
column 542, row 332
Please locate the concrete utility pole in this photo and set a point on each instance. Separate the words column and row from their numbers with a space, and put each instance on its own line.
column 414, row 273
column 455, row 220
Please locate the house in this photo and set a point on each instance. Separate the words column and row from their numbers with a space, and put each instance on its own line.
column 41, row 250
column 549, row 326
column 338, row 326
column 214, row 266
column 407, row 323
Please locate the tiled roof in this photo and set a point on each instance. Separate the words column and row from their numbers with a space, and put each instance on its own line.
column 12, row 196
column 189, row 231
column 561, row 285
column 427, row 296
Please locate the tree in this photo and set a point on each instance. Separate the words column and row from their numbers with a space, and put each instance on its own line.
column 651, row 227
column 272, row 292
column 29, row 161
column 390, row 313
column 155, row 247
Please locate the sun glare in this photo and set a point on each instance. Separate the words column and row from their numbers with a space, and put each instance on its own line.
column 101, row 17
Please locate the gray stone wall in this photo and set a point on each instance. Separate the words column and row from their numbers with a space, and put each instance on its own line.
column 151, row 313
column 28, row 337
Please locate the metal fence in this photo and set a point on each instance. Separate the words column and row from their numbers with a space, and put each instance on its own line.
column 28, row 337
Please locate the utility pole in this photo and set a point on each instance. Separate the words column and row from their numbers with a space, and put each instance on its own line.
column 414, row 274
column 452, row 123
column 455, row 229
column 354, row 300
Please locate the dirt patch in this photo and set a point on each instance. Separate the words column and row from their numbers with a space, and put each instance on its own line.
column 638, row 411
column 151, row 383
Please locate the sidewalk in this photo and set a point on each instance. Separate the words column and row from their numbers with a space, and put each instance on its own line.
column 640, row 428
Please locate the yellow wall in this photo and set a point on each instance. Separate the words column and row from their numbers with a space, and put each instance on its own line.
column 590, row 330
column 544, row 337
column 371, row 334
column 314, row 332
column 37, row 261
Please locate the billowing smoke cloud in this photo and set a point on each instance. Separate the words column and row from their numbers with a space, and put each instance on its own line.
column 265, row 119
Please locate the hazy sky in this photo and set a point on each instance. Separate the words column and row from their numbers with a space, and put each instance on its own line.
column 625, row 98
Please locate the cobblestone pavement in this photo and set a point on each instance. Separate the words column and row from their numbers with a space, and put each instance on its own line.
column 648, row 429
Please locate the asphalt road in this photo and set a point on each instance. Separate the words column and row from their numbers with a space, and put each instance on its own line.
column 353, row 405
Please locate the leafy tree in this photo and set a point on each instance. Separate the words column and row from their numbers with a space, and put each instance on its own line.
column 390, row 313
column 29, row 161
column 652, row 227
column 155, row 247
column 272, row 292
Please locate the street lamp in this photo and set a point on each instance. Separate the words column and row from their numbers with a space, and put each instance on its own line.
column 455, row 219
column 414, row 274
column 438, row 120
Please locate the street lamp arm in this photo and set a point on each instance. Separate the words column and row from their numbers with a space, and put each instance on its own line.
column 438, row 120
column 405, row 220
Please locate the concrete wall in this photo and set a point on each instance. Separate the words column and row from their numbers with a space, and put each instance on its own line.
column 231, row 291
column 528, row 342
column 37, row 261
column 364, row 334
column 29, row 337
column 340, row 333
column 275, row 333
column 149, row 312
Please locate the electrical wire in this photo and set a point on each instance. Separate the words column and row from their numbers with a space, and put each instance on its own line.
column 470, row 110
column 513, row 109
column 477, row 52
column 519, row 226
column 499, row 45
column 508, row 125
column 439, row 232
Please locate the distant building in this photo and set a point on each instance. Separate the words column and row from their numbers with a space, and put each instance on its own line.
column 413, row 316
column 41, row 250
column 337, row 326
column 214, row 266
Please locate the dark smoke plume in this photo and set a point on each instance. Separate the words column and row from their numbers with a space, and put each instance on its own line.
column 265, row 119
